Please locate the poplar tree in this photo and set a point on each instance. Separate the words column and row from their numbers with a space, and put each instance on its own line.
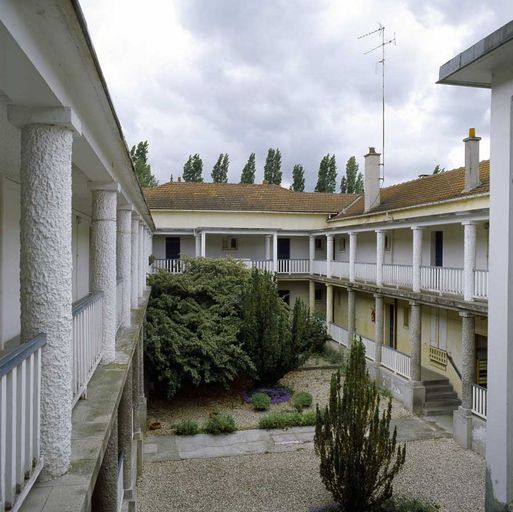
column 352, row 182
column 249, row 170
column 139, row 156
column 272, row 167
column 193, row 169
column 324, row 176
column 298, row 178
column 220, row 170
column 331, row 176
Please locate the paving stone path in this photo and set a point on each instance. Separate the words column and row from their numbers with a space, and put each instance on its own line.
column 246, row 442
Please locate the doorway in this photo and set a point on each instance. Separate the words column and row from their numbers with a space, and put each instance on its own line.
column 284, row 248
column 172, row 248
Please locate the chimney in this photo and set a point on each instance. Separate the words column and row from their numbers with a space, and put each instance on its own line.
column 471, row 161
column 179, row 179
column 371, row 176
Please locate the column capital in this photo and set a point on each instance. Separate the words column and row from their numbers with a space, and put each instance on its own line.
column 469, row 222
column 125, row 208
column 63, row 117
column 418, row 228
column 379, row 230
column 329, row 237
column 106, row 186
column 329, row 285
column 378, row 295
column 135, row 216
column 466, row 314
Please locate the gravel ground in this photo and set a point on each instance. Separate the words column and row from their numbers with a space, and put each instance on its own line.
column 197, row 404
column 289, row 482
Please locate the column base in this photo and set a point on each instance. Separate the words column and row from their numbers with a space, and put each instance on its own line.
column 462, row 427
column 418, row 396
column 374, row 371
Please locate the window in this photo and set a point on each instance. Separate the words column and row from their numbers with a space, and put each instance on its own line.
column 230, row 244
column 388, row 242
column 285, row 296
column 318, row 295
column 318, row 243
column 406, row 317
column 342, row 244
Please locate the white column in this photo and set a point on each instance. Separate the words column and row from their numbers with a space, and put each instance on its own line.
column 203, row 244
column 352, row 255
column 378, row 326
column 469, row 259
column 380, row 255
column 275, row 252
column 142, row 267
column 46, row 269
column 329, row 304
column 135, row 261
column 197, row 246
column 267, row 248
column 415, row 341
column 124, row 259
column 417, row 257
column 311, row 296
column 329, row 254
column 103, row 260
column 351, row 317
column 311, row 252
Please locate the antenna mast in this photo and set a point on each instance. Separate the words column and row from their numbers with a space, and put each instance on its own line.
column 381, row 32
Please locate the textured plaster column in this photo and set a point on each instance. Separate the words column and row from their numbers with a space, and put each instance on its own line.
column 469, row 262
column 142, row 267
column 203, row 244
column 275, row 252
column 329, row 254
column 415, row 341
column 311, row 296
column 417, row 257
column 46, row 268
column 124, row 259
column 197, row 246
column 378, row 326
column 311, row 252
column 380, row 255
column 134, row 289
column 103, row 260
column 105, row 494
column 351, row 326
column 267, row 248
column 329, row 304
column 125, row 429
column 352, row 255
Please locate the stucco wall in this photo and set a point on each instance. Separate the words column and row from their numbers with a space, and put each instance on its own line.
column 297, row 290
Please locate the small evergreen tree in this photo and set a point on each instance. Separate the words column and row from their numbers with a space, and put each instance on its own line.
column 139, row 156
column 352, row 182
column 249, row 170
column 193, row 169
column 358, row 457
column 331, row 175
column 272, row 167
column 438, row 169
column 322, row 177
column 220, row 170
column 298, row 178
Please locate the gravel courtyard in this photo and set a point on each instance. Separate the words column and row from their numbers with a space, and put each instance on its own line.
column 289, row 482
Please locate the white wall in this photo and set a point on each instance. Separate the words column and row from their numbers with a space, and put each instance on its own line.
column 297, row 290
column 299, row 247
column 80, row 237
column 249, row 247
column 366, row 247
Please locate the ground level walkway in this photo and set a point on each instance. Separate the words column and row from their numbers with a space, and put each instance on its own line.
column 277, row 471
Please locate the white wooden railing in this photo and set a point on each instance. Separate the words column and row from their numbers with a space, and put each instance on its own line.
column 398, row 275
column 172, row 266
column 319, row 267
column 261, row 265
column 340, row 269
column 481, row 284
column 370, row 348
column 442, row 279
column 294, row 266
column 119, row 302
column 87, row 341
column 20, row 412
column 396, row 361
column 479, row 395
column 339, row 334
column 365, row 272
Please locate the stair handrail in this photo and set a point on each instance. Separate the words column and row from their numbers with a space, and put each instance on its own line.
column 453, row 364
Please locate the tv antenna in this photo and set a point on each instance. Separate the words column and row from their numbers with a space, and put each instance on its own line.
column 381, row 32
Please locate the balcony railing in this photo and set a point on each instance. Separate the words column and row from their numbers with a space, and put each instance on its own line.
column 339, row 334
column 481, row 284
column 20, row 409
column 370, row 348
column 400, row 276
column 396, row 361
column 442, row 279
column 294, row 266
column 479, row 395
column 266, row 265
column 365, row 272
column 172, row 266
column 119, row 302
column 340, row 269
column 87, row 341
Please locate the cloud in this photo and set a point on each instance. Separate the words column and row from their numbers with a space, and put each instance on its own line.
column 239, row 77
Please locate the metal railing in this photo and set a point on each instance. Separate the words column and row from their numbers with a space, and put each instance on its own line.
column 442, row 279
column 87, row 341
column 398, row 275
column 479, row 395
column 365, row 272
column 396, row 361
column 319, row 267
column 481, row 284
column 300, row 266
column 340, row 269
column 119, row 302
column 339, row 334
column 172, row 266
column 20, row 413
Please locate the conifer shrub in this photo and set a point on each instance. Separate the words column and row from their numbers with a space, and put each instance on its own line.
column 359, row 457
column 260, row 401
column 186, row 427
column 220, row 424
column 302, row 400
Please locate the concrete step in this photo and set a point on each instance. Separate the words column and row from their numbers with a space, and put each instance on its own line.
column 438, row 395
column 440, row 411
column 442, row 402
column 442, row 381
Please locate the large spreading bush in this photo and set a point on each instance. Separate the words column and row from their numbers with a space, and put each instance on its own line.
column 193, row 322
column 308, row 330
column 359, row 457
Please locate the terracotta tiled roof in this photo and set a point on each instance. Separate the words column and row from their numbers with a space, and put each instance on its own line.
column 242, row 197
column 430, row 189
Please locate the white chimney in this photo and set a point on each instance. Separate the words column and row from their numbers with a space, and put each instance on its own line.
column 371, row 176
column 471, row 161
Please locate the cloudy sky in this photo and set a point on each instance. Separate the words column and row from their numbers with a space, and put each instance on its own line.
column 240, row 76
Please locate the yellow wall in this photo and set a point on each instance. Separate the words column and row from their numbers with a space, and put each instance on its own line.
column 340, row 306
column 363, row 319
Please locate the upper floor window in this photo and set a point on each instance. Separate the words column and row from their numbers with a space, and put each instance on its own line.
column 388, row 242
column 318, row 243
column 342, row 244
column 230, row 244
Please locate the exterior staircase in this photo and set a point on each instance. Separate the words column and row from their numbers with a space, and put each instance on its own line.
column 441, row 399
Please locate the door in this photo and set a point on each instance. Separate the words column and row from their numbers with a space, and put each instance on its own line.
column 439, row 248
column 391, row 325
column 284, row 248
column 172, row 248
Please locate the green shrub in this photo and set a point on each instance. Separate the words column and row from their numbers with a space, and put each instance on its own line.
column 260, row 401
column 407, row 504
column 287, row 419
column 186, row 428
column 307, row 330
column 336, row 357
column 302, row 400
column 385, row 393
column 317, row 332
column 359, row 457
column 309, row 418
column 220, row 424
